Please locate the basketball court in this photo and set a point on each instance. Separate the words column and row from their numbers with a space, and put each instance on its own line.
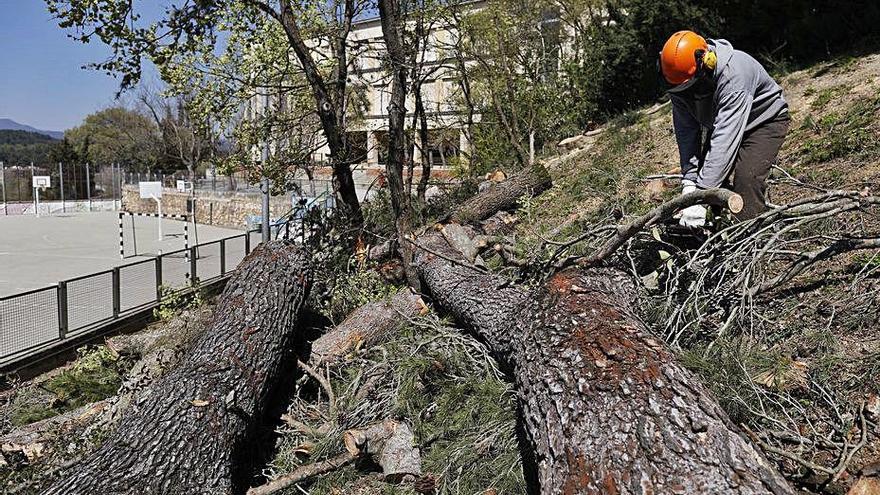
column 39, row 251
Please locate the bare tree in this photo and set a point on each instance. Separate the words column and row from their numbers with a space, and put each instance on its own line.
column 184, row 141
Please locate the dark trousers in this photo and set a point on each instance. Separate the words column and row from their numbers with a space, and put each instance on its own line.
column 757, row 154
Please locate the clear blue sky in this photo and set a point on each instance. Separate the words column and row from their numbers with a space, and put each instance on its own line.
column 42, row 82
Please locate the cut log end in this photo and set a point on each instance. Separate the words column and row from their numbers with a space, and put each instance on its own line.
column 735, row 203
column 354, row 440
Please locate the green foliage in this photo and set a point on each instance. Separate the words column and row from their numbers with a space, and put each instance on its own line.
column 801, row 31
column 95, row 375
column 29, row 408
column 65, row 152
column 614, row 68
column 378, row 215
column 172, row 301
column 353, row 290
column 827, row 95
column 447, row 387
column 118, row 135
column 729, row 369
column 464, row 408
column 611, row 168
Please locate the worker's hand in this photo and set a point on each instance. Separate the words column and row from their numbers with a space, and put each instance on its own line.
column 692, row 216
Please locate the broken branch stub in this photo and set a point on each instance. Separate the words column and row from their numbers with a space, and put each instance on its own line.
column 391, row 444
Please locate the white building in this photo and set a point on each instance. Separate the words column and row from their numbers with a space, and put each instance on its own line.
column 367, row 124
column 441, row 95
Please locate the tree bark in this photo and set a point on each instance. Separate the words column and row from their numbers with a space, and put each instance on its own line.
column 190, row 431
column 604, row 407
column 364, row 327
column 423, row 144
column 391, row 16
column 503, row 196
column 330, row 110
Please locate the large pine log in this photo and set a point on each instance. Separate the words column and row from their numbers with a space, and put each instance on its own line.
column 503, row 196
column 604, row 407
column 189, row 432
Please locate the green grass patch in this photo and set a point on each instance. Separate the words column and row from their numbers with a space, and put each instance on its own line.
column 826, row 95
column 96, row 375
column 840, row 134
column 609, row 169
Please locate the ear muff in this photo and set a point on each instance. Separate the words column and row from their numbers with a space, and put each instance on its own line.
column 710, row 60
column 706, row 61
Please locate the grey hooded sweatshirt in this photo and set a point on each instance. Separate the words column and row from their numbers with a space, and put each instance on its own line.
column 745, row 97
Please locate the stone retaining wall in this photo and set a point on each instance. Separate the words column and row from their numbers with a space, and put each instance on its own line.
column 224, row 210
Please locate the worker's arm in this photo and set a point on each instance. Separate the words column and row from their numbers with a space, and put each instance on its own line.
column 727, row 135
column 687, row 134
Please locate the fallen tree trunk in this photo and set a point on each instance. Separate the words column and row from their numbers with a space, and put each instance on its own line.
column 365, row 326
column 503, row 196
column 604, row 406
column 189, row 431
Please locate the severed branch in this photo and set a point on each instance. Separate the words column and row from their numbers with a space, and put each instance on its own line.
column 839, row 246
column 784, row 453
column 390, row 443
column 716, row 197
column 364, row 327
column 304, row 473
column 325, row 384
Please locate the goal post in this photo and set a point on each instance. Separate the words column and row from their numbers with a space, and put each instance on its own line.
column 132, row 215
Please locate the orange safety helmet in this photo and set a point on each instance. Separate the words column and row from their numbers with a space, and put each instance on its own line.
column 681, row 56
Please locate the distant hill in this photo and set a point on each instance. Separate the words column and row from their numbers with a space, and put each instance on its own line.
column 22, row 147
column 9, row 124
column 10, row 136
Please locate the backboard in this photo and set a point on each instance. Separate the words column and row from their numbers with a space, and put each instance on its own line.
column 42, row 181
column 150, row 190
column 184, row 186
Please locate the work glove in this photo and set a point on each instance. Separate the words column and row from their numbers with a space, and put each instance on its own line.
column 692, row 216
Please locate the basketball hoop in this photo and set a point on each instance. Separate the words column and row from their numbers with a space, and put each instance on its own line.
column 40, row 183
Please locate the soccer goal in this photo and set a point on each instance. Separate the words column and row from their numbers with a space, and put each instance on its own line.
column 141, row 226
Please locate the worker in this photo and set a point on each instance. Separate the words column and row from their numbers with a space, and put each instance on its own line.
column 729, row 95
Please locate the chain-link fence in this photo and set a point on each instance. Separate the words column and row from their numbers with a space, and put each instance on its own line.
column 35, row 319
column 73, row 187
column 28, row 320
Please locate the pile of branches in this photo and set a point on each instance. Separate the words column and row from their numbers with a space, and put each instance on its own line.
column 751, row 259
column 722, row 299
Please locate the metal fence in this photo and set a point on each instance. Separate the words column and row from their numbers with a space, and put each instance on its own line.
column 37, row 318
